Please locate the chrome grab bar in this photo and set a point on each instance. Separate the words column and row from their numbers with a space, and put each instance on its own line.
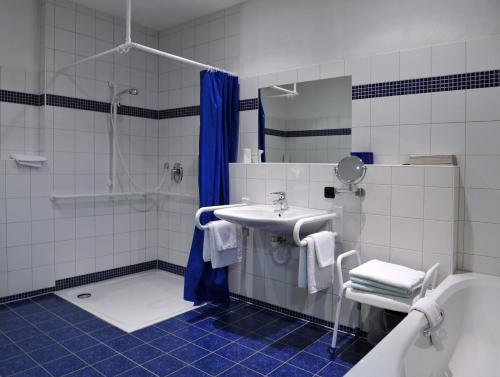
column 308, row 220
column 202, row 210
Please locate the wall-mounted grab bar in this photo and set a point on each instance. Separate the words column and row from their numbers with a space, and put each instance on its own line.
column 202, row 210
column 309, row 220
column 55, row 196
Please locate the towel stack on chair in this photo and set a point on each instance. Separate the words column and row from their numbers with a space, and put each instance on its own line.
column 386, row 278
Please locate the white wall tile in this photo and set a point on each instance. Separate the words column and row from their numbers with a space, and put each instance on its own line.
column 361, row 139
column 448, row 59
column 359, row 69
column 448, row 107
column 482, row 138
column 378, row 175
column 479, row 238
column 407, row 201
column 483, row 54
column 414, row 139
column 415, row 63
column 478, row 173
column 385, row 67
column 439, row 177
column 376, row 229
column 482, row 205
column 415, row 109
column 448, row 138
column 361, row 113
column 377, row 199
column 438, row 237
column 406, row 233
column 482, row 104
column 385, row 111
column 408, row 175
column 385, row 140
column 439, row 204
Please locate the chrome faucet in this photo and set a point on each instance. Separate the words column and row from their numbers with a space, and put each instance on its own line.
column 281, row 201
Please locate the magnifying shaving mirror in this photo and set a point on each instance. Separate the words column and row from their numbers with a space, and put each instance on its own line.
column 350, row 171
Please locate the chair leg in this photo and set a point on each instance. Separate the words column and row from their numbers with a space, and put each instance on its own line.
column 357, row 330
column 333, row 347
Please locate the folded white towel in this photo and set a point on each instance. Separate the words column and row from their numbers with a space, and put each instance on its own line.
column 324, row 243
column 389, row 274
column 225, row 235
column 225, row 257
column 430, row 309
column 311, row 276
column 28, row 160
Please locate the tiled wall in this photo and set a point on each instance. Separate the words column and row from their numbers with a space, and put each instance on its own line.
column 452, row 115
column 215, row 40
column 43, row 241
column 424, row 116
column 82, row 237
column 408, row 216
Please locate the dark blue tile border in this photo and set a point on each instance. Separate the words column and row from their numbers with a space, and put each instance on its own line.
column 179, row 112
column 249, row 104
column 473, row 80
column 306, row 133
column 170, row 267
column 84, row 279
column 104, row 275
column 24, row 295
column 20, row 98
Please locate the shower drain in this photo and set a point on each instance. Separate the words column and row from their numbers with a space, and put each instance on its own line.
column 84, row 295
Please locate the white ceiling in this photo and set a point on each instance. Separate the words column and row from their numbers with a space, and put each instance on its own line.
column 160, row 14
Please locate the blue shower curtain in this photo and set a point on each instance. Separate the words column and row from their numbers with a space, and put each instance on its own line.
column 262, row 128
column 219, row 123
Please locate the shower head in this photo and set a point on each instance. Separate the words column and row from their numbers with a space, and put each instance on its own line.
column 132, row 91
column 116, row 96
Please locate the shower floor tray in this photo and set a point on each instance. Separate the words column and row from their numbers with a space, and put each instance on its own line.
column 133, row 302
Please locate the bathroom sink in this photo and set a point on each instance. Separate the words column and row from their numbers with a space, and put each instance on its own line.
column 265, row 218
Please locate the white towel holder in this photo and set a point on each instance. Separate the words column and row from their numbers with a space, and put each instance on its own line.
column 197, row 216
column 309, row 220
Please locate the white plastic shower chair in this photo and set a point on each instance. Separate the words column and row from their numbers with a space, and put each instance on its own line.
column 398, row 304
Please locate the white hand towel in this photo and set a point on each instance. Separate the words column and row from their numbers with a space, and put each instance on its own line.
column 324, row 243
column 224, row 257
column 207, row 245
column 311, row 275
column 389, row 274
column 302, row 277
column 225, row 235
column 430, row 309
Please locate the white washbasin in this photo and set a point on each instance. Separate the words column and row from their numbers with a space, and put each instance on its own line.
column 264, row 217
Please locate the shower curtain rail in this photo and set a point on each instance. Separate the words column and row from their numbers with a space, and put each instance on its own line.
column 128, row 45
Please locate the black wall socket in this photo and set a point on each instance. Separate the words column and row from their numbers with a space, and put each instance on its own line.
column 330, row 192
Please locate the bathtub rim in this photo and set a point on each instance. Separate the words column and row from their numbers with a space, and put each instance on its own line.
column 401, row 338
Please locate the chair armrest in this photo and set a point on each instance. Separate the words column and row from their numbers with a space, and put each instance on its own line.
column 340, row 259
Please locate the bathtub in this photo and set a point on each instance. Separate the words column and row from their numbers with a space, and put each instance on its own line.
column 468, row 343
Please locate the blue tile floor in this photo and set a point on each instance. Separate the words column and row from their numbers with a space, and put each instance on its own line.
column 48, row 336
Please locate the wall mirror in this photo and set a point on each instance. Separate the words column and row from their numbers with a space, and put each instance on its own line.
column 306, row 122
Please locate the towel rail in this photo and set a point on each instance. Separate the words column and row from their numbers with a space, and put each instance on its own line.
column 202, row 210
column 309, row 220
